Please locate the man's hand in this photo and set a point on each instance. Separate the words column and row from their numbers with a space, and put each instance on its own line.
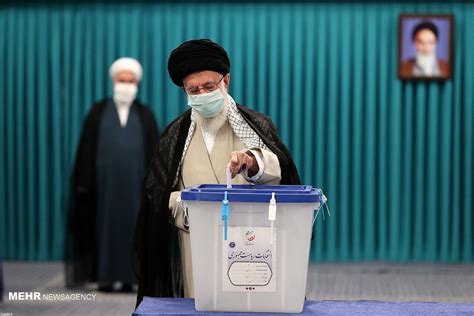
column 240, row 161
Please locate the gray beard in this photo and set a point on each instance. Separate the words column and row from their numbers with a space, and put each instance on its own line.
column 213, row 125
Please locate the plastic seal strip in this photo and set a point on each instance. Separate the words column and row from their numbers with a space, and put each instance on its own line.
column 225, row 213
column 322, row 202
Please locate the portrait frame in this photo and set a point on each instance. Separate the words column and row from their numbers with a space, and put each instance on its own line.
column 440, row 66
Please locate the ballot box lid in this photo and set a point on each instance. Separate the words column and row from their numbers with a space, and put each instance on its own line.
column 253, row 193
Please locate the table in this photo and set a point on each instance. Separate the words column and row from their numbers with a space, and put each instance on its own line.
column 185, row 306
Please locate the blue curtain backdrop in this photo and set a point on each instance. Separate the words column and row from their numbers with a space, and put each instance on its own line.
column 395, row 158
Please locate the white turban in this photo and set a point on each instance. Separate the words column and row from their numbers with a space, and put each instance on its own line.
column 126, row 64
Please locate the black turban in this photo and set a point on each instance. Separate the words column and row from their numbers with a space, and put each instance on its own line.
column 425, row 25
column 197, row 55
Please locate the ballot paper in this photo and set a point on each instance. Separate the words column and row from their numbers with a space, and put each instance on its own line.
column 229, row 178
column 249, row 260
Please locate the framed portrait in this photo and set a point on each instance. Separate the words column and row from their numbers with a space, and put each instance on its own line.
column 425, row 47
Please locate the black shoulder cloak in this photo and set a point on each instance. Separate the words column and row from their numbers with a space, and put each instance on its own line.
column 80, row 246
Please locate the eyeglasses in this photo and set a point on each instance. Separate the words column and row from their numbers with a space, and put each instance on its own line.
column 208, row 87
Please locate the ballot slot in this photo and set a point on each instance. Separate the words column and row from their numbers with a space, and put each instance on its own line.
column 261, row 253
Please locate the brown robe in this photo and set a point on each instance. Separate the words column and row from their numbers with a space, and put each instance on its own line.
column 406, row 69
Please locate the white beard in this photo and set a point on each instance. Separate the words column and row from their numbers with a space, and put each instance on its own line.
column 212, row 125
column 426, row 63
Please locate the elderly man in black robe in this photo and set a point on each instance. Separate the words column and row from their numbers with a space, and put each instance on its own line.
column 214, row 134
column 115, row 148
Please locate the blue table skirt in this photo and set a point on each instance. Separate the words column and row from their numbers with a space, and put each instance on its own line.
column 185, row 306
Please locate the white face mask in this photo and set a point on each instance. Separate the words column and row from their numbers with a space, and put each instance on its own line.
column 125, row 93
column 207, row 104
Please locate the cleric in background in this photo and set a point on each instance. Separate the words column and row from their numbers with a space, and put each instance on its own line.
column 115, row 148
column 196, row 148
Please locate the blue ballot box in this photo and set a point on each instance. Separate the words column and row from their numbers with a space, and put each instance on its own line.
column 250, row 245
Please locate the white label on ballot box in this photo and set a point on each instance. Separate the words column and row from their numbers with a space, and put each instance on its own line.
column 249, row 260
